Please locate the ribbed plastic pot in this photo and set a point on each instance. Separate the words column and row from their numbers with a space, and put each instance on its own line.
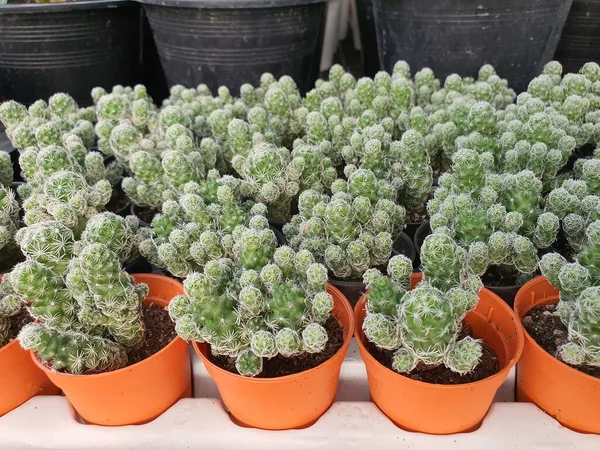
column 292, row 401
column 445, row 409
column 568, row 395
column 231, row 42
column 580, row 40
column 20, row 378
column 368, row 37
column 68, row 47
column 458, row 36
column 141, row 392
column 353, row 290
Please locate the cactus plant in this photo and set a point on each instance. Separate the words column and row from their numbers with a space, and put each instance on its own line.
column 579, row 305
column 256, row 305
column 192, row 231
column 498, row 219
column 422, row 326
column 348, row 233
column 87, row 311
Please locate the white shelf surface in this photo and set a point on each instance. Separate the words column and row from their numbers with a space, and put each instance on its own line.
column 353, row 422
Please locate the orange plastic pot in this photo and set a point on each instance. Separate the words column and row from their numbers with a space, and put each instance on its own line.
column 292, row 401
column 570, row 396
column 445, row 409
column 20, row 378
column 141, row 392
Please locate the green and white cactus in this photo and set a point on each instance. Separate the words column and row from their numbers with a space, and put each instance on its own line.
column 189, row 233
column 9, row 219
column 422, row 326
column 10, row 305
column 349, row 234
column 256, row 305
column 87, row 310
column 579, row 305
column 498, row 218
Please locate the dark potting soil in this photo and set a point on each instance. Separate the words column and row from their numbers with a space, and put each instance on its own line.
column 146, row 214
column 10, row 258
column 545, row 327
column 18, row 321
column 160, row 331
column 499, row 276
column 280, row 366
column 440, row 374
column 117, row 202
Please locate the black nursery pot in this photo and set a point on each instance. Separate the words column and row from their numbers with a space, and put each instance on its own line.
column 352, row 290
column 458, row 36
column 231, row 42
column 70, row 47
column 580, row 40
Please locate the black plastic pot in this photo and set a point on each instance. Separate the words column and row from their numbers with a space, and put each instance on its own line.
column 411, row 228
column 422, row 232
column 281, row 240
column 68, row 47
column 368, row 37
column 404, row 246
column 138, row 265
column 506, row 293
column 580, row 40
column 458, row 36
column 231, row 42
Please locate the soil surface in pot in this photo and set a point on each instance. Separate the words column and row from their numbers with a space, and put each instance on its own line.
column 487, row 367
column 280, row 366
column 10, row 258
column 146, row 214
column 117, row 202
column 18, row 321
column 545, row 327
column 160, row 331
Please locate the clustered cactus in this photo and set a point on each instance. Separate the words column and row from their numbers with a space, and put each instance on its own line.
column 348, row 232
column 193, row 231
column 498, row 219
column 262, row 303
column 422, row 326
column 579, row 306
column 87, row 310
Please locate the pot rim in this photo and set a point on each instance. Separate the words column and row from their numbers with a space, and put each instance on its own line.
column 78, row 5
column 292, row 376
column 500, row 375
column 157, row 301
column 547, row 300
column 230, row 4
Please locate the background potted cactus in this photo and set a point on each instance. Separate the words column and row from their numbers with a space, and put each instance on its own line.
column 92, row 320
column 430, row 350
column 269, row 332
column 9, row 216
column 350, row 231
column 559, row 312
column 50, row 57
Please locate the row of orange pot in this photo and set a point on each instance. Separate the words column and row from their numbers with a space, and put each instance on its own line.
column 141, row 392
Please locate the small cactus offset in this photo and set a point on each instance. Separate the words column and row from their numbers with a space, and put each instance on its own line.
column 256, row 306
column 6, row 170
column 10, row 305
column 579, row 305
column 422, row 326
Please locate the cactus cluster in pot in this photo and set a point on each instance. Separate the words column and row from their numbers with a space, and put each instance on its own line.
column 260, row 303
column 423, row 325
column 579, row 306
column 86, row 309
